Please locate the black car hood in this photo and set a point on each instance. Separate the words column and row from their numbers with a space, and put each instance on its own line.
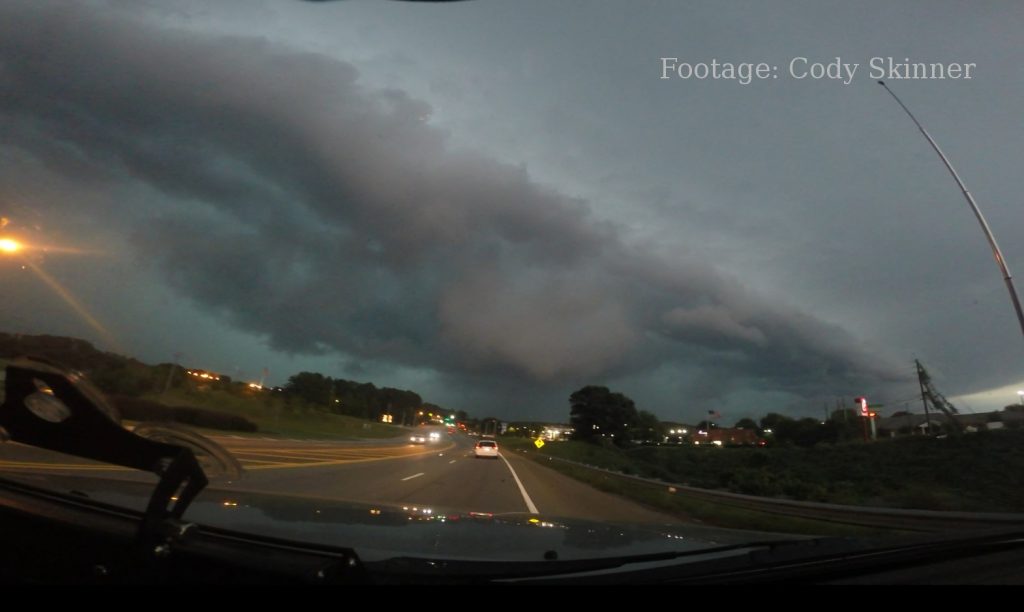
column 385, row 531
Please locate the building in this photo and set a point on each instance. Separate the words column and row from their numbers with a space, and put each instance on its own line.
column 917, row 424
column 729, row 436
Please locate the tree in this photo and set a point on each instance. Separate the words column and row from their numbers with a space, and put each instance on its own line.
column 846, row 424
column 430, row 409
column 745, row 424
column 647, row 428
column 124, row 380
column 361, row 400
column 806, row 432
column 311, row 387
column 595, row 413
column 773, row 419
column 846, row 415
column 398, row 402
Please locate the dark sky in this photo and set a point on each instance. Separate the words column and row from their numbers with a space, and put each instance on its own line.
column 495, row 203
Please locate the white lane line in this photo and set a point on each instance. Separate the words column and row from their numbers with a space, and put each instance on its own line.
column 451, row 462
column 413, row 476
column 522, row 489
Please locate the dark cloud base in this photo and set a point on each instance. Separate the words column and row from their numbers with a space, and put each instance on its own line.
column 331, row 218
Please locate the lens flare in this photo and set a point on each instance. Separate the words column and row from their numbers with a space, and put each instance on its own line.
column 75, row 305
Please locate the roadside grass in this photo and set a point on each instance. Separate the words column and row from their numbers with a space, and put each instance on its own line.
column 276, row 418
column 659, row 497
column 705, row 512
column 980, row 472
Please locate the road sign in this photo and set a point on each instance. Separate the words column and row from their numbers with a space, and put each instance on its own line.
column 863, row 403
column 538, row 443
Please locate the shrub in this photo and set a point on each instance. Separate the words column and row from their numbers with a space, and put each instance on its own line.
column 137, row 409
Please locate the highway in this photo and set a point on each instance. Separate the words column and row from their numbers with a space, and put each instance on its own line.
column 442, row 475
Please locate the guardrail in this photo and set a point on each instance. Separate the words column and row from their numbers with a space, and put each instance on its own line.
column 887, row 518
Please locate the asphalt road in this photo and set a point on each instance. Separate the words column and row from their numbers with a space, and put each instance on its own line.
column 443, row 475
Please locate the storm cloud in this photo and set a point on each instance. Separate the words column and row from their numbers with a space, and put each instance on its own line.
column 298, row 203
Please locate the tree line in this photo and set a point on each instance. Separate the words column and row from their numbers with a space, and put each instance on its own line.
column 599, row 415
column 362, row 399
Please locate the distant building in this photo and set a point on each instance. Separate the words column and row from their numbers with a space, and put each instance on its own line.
column 203, row 379
column 549, row 432
column 729, row 436
column 917, row 424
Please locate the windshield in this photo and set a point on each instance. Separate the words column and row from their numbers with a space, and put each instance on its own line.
column 686, row 267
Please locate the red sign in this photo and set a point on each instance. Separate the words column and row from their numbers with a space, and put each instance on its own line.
column 863, row 403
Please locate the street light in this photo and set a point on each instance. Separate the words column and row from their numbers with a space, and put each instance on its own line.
column 10, row 246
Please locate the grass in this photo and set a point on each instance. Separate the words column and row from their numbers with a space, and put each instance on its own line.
column 981, row 472
column 705, row 512
column 274, row 417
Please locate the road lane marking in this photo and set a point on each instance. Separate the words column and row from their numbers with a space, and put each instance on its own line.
column 522, row 489
column 337, row 462
column 451, row 462
column 246, row 461
column 85, row 467
column 413, row 476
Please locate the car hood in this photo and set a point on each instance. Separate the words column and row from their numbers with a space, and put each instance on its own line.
column 384, row 531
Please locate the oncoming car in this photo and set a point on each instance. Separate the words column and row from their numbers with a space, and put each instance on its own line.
column 435, row 436
column 486, row 448
column 418, row 439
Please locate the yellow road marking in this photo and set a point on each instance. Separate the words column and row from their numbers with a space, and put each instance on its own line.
column 346, row 461
column 37, row 465
column 270, row 465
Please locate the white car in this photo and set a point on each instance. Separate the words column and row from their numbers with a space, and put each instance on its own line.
column 486, row 448
column 418, row 439
column 435, row 436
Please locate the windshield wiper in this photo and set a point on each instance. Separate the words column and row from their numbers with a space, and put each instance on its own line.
column 812, row 560
column 416, row 569
column 47, row 407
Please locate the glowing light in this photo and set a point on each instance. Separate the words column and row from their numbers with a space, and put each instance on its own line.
column 9, row 246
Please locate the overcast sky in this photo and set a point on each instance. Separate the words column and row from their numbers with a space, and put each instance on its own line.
column 495, row 203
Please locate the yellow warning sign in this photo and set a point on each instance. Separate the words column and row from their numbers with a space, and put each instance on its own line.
column 538, row 443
